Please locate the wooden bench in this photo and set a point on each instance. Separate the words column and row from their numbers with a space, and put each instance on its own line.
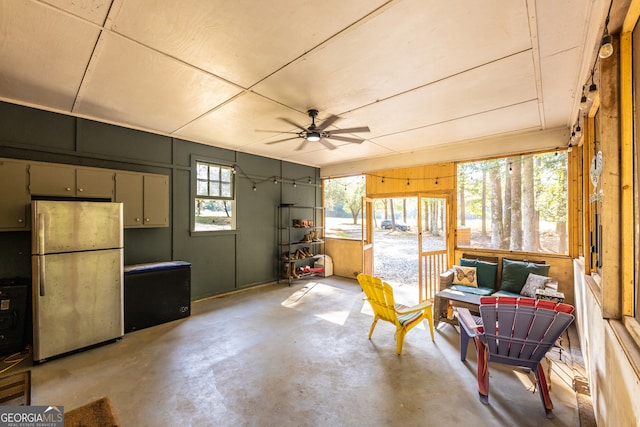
column 461, row 299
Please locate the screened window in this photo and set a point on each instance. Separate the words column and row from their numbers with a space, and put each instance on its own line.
column 343, row 203
column 516, row 203
column 215, row 197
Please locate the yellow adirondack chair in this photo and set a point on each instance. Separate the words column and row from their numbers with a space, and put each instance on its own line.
column 380, row 296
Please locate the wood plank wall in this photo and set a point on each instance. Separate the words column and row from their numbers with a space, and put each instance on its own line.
column 439, row 178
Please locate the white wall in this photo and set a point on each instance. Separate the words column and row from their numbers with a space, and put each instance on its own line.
column 615, row 386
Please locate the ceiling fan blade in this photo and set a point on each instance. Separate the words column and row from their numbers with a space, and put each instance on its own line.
column 274, row 131
column 281, row 140
column 351, row 130
column 301, row 146
column 347, row 139
column 292, row 123
column 327, row 144
column 328, row 122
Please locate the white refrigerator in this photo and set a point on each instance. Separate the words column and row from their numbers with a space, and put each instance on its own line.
column 77, row 258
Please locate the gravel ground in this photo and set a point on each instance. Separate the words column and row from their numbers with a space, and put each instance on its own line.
column 395, row 252
column 395, row 255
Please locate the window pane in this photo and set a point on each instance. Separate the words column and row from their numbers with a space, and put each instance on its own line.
column 203, row 171
column 214, row 173
column 517, row 203
column 226, row 190
column 214, row 215
column 203, row 188
column 225, row 175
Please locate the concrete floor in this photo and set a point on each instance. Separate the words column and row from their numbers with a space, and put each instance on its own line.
column 295, row 356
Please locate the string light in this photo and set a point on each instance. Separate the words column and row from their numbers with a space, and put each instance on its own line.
column 606, row 45
column 584, row 102
column 592, row 88
column 255, row 180
column 578, row 131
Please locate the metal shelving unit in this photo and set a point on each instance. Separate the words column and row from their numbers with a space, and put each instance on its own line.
column 300, row 241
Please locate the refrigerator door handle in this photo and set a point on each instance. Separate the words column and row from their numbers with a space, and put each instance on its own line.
column 40, row 239
column 41, row 275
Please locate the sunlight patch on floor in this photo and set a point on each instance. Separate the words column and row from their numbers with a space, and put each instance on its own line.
column 322, row 300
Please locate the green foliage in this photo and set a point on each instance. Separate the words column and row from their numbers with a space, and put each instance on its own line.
column 551, row 186
column 549, row 196
column 344, row 195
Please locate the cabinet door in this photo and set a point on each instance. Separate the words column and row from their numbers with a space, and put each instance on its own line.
column 14, row 195
column 156, row 200
column 129, row 192
column 92, row 182
column 52, row 180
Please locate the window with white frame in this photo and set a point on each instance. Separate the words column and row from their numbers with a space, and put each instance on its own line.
column 214, row 199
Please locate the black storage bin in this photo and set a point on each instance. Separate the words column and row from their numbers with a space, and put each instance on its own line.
column 14, row 314
column 156, row 293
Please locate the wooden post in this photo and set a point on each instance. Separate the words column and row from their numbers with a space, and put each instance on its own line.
column 610, row 146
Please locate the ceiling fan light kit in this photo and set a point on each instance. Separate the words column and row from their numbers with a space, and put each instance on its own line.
column 317, row 133
column 313, row 136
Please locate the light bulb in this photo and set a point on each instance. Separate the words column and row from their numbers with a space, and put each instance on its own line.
column 592, row 91
column 583, row 102
column 606, row 48
column 578, row 133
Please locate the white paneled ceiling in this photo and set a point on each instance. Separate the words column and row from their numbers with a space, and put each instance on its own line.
column 235, row 74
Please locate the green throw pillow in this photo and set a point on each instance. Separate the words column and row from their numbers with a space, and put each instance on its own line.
column 515, row 273
column 486, row 271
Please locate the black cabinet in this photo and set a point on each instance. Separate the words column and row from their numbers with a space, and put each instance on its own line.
column 14, row 315
column 156, row 293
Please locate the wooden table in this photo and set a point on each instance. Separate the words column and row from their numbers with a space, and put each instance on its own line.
column 550, row 294
column 457, row 299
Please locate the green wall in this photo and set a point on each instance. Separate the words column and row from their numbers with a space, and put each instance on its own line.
column 221, row 262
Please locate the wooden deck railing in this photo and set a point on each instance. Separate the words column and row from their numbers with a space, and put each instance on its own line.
column 433, row 264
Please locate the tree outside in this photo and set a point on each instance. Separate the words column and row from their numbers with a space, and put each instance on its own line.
column 517, row 203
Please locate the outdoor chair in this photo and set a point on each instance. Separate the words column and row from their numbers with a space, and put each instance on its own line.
column 380, row 296
column 514, row 331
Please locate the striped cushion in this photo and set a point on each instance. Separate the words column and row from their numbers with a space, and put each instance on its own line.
column 409, row 318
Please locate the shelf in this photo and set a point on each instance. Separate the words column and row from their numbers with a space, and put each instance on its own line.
column 297, row 259
column 294, row 206
column 288, row 216
column 301, row 243
column 301, row 228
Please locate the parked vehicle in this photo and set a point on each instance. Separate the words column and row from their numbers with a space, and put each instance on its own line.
column 386, row 225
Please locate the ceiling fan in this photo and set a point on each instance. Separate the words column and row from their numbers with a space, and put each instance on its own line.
column 317, row 133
